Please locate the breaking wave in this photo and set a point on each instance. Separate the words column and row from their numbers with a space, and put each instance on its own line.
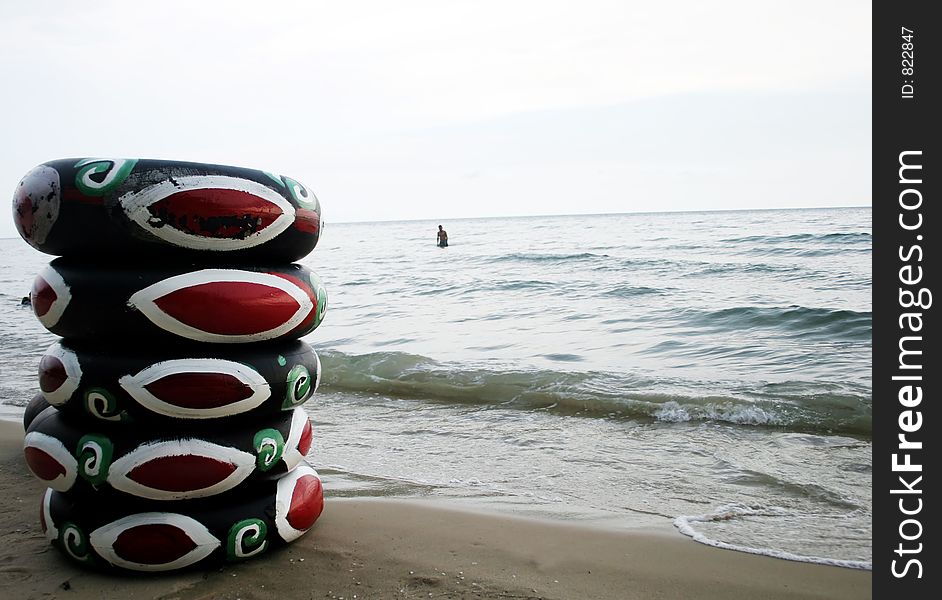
column 794, row 406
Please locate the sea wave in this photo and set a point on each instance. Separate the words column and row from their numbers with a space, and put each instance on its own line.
column 833, row 237
column 686, row 525
column 791, row 251
column 630, row 291
column 834, row 324
column 522, row 284
column 825, row 407
column 754, row 268
column 547, row 258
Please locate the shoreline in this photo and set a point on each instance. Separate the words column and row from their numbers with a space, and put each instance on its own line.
column 389, row 548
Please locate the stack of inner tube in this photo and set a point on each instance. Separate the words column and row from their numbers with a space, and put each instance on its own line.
column 169, row 425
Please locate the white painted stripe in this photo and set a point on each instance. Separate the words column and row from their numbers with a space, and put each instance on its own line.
column 135, row 385
column 73, row 372
column 145, row 301
column 283, row 501
column 135, row 205
column 291, row 456
column 52, row 532
column 56, row 449
column 118, row 473
column 103, row 539
column 63, row 296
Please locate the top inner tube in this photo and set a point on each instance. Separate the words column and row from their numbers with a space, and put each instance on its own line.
column 162, row 209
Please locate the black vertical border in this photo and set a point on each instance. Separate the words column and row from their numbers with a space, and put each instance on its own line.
column 902, row 124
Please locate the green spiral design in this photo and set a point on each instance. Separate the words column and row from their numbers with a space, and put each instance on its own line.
column 269, row 446
column 300, row 387
column 74, row 541
column 115, row 172
column 246, row 539
column 101, row 404
column 277, row 179
column 301, row 194
column 94, row 455
column 321, row 292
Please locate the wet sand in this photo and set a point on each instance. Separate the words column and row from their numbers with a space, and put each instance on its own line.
column 387, row 548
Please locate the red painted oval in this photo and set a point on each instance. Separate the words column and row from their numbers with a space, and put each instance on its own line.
column 52, row 373
column 199, row 390
column 184, row 473
column 304, row 444
column 307, row 221
column 215, row 213
column 42, row 464
column 307, row 502
column 42, row 296
column 230, row 307
column 153, row 544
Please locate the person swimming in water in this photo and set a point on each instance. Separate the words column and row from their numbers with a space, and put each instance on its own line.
column 442, row 237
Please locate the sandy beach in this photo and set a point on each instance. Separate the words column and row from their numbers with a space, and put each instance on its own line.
column 407, row 549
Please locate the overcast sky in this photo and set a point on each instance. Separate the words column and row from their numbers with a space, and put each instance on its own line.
column 443, row 109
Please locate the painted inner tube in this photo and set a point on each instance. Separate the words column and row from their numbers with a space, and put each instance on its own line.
column 80, row 301
column 188, row 381
column 163, row 463
column 35, row 406
column 144, row 536
column 161, row 208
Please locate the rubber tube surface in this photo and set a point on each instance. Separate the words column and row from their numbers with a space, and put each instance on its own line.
column 147, row 536
column 33, row 408
column 161, row 209
column 163, row 463
column 185, row 381
column 131, row 304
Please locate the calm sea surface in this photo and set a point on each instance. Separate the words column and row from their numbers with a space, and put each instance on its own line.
column 706, row 369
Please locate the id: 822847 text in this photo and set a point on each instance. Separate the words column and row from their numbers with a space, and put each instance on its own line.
column 907, row 64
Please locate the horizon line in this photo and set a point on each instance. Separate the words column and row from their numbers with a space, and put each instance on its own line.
column 603, row 214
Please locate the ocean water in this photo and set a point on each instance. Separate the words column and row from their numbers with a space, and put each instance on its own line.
column 710, row 370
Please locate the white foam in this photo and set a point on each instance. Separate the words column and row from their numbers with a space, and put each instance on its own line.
column 674, row 412
column 684, row 524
